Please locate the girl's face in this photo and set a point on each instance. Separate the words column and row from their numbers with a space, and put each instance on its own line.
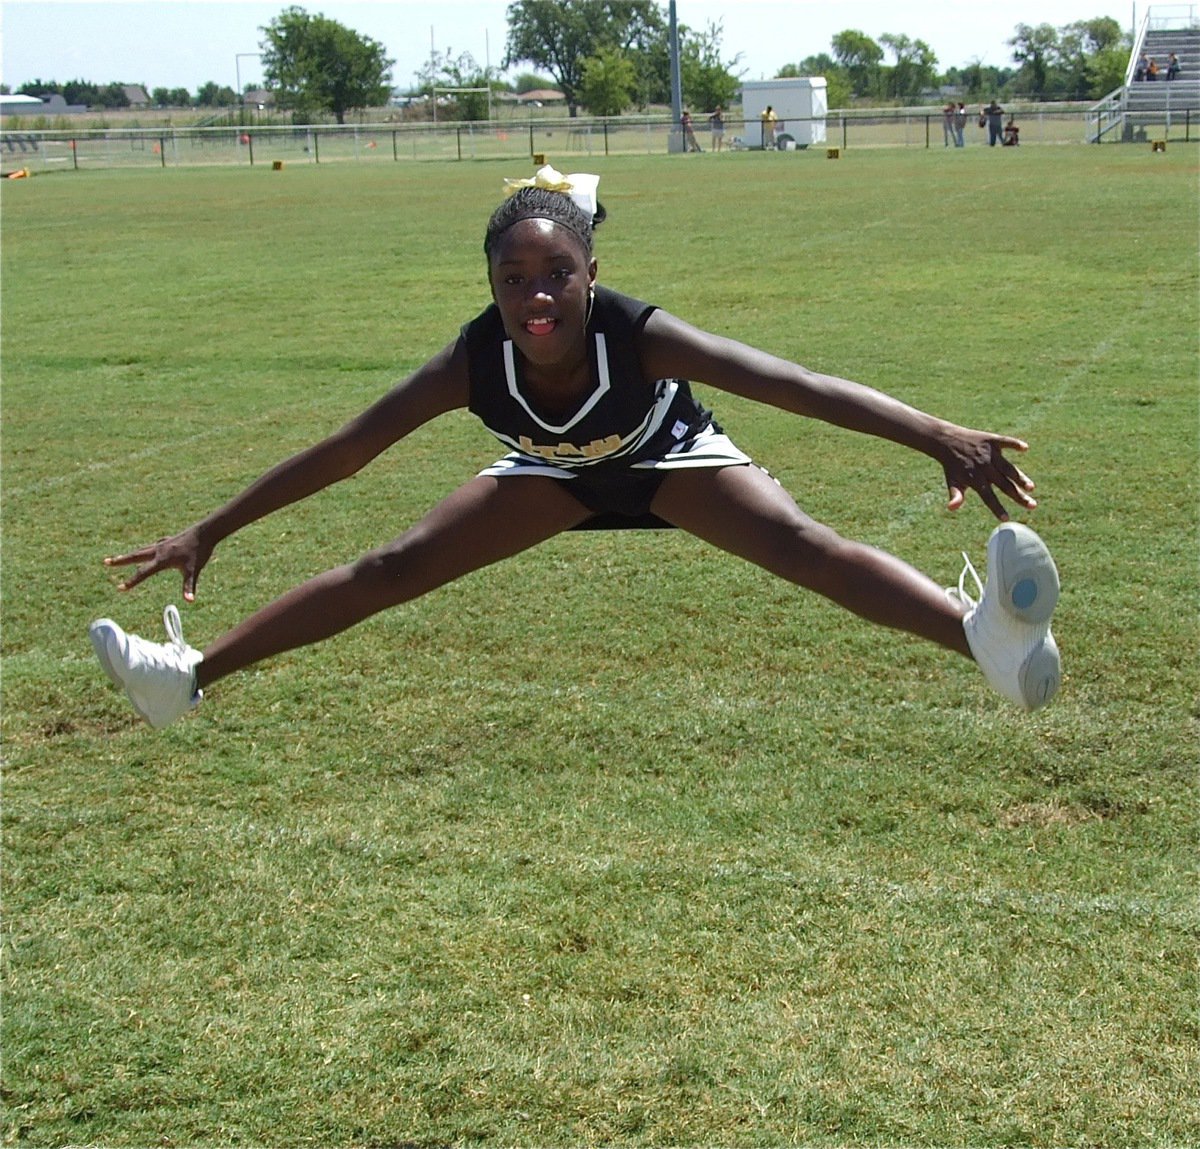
column 541, row 278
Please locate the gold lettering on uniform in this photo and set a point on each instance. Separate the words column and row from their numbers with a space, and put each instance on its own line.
column 596, row 449
column 599, row 447
column 531, row 448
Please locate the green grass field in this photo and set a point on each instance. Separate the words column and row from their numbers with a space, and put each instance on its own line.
column 622, row 842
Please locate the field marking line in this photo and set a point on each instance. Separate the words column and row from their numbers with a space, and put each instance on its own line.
column 921, row 504
column 1039, row 904
column 87, row 470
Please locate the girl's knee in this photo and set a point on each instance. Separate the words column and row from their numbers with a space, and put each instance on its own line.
column 382, row 571
column 821, row 559
column 402, row 569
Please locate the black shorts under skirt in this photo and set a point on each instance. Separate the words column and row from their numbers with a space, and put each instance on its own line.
column 619, row 494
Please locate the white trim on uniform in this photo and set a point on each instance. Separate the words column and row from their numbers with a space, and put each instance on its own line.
column 709, row 448
column 604, row 385
column 577, row 455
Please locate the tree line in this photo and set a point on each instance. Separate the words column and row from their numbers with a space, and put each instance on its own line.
column 612, row 56
column 114, row 95
column 1084, row 60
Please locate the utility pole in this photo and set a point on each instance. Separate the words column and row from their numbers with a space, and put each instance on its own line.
column 677, row 142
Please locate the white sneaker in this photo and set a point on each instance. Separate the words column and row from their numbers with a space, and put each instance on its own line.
column 159, row 677
column 1008, row 626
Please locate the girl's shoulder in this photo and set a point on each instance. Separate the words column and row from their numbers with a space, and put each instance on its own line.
column 487, row 324
column 615, row 308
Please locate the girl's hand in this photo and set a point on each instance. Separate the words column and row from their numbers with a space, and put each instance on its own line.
column 974, row 460
column 184, row 552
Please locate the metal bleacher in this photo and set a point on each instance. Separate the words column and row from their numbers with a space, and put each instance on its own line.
column 1156, row 109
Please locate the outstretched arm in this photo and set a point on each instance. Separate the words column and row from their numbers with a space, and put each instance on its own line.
column 437, row 387
column 971, row 460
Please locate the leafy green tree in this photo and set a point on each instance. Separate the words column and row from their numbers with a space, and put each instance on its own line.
column 651, row 59
column 73, row 91
column 448, row 71
column 557, row 36
column 316, row 64
column 1093, row 55
column 860, row 56
column 1036, row 50
column 915, row 67
column 822, row 64
column 531, row 82
column 39, row 88
column 112, row 96
column 1105, row 71
column 212, row 95
column 979, row 81
column 80, row 92
column 1098, row 34
column 171, row 98
column 707, row 80
column 608, row 84
column 638, row 28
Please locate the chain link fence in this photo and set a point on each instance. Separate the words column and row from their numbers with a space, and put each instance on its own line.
column 564, row 139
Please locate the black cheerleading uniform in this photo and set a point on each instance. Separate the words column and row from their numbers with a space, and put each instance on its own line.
column 625, row 434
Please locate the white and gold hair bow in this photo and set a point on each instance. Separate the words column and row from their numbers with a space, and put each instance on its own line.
column 581, row 186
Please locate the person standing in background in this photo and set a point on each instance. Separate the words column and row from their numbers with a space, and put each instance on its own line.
column 690, row 143
column 716, row 123
column 769, row 120
column 993, row 117
column 960, row 123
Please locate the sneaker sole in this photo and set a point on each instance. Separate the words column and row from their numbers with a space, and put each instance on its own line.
column 1041, row 674
column 1025, row 573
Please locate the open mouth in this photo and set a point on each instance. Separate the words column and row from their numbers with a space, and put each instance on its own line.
column 542, row 325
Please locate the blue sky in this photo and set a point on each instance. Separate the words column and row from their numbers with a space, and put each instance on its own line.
column 185, row 43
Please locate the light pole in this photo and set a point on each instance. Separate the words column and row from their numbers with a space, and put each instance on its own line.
column 676, row 139
column 237, row 67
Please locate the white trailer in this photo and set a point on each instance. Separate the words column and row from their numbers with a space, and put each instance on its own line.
column 800, row 106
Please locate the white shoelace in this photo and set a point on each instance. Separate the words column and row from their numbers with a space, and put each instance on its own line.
column 174, row 626
column 159, row 656
column 959, row 593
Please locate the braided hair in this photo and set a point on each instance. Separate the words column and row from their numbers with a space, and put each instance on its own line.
column 540, row 203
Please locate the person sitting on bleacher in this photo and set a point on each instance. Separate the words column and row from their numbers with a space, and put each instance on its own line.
column 1172, row 67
